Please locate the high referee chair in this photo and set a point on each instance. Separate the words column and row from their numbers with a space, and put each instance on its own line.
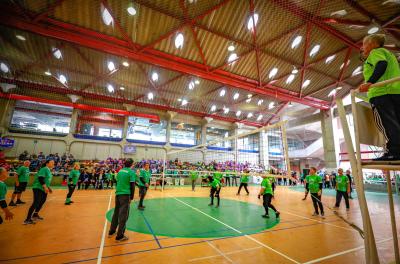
column 362, row 116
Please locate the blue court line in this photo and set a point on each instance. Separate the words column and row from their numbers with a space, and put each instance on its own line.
column 151, row 229
column 185, row 244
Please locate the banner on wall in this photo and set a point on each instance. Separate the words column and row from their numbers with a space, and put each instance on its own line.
column 6, row 142
column 129, row 149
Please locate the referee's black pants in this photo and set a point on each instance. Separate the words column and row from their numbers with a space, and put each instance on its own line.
column 120, row 216
column 386, row 109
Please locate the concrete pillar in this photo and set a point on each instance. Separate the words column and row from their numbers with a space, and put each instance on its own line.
column 328, row 140
column 170, row 117
column 74, row 121
column 264, row 149
column 235, row 130
column 126, row 127
column 204, row 124
column 6, row 112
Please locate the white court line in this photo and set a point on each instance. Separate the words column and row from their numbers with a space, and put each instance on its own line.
column 343, row 252
column 237, row 231
column 220, row 252
column 228, row 253
column 319, row 221
column 100, row 255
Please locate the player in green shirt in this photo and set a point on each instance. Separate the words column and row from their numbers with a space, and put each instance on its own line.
column 3, row 192
column 315, row 187
column 342, row 189
column 381, row 65
column 21, row 181
column 72, row 181
column 194, row 175
column 40, row 188
column 143, row 182
column 267, row 193
column 244, row 181
column 228, row 177
column 123, row 196
column 216, row 185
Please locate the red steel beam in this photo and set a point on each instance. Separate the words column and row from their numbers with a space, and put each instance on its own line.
column 49, row 9
column 66, row 32
column 342, row 21
column 79, row 106
column 84, row 94
column 301, row 13
column 391, row 21
column 308, row 40
column 254, row 35
column 277, row 113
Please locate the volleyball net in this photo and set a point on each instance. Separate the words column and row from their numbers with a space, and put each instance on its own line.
column 236, row 153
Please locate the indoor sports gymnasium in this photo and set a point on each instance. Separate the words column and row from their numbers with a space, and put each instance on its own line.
column 199, row 131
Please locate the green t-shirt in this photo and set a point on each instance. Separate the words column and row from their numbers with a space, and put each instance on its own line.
column 313, row 183
column 218, row 175
column 342, row 181
column 23, row 174
column 3, row 191
column 194, row 175
column 267, row 185
column 43, row 172
column 74, row 176
column 144, row 174
column 392, row 70
column 124, row 178
column 216, row 183
column 108, row 176
column 244, row 179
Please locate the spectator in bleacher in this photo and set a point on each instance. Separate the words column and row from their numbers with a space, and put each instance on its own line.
column 41, row 156
column 24, row 156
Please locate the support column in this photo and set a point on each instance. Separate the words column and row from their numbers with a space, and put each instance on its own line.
column 170, row 117
column 6, row 112
column 204, row 124
column 264, row 149
column 236, row 127
column 126, row 127
column 328, row 140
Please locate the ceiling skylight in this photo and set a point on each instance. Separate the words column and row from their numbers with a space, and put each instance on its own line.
column 236, row 96
column 273, row 73
column 106, row 16
column 110, row 88
column 179, row 39
column 290, row 79
column 252, row 22
column 314, row 50
column 222, row 93
column 4, row 67
column 330, row 59
column 306, row 83
column 296, row 42
column 154, row 76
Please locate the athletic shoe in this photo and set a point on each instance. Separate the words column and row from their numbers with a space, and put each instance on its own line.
column 68, row 203
column 12, row 204
column 37, row 217
column 315, row 214
column 216, row 206
column 322, row 215
column 265, row 216
column 277, row 214
column 141, row 208
column 304, row 198
column 71, row 201
column 124, row 238
column 211, row 204
column 20, row 202
column 29, row 222
column 110, row 235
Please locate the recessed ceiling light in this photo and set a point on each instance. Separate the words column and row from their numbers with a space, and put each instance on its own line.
column 290, row 79
column 290, row 104
column 260, row 102
column 20, row 37
column 231, row 48
column 238, row 113
column 357, row 71
column 295, row 71
column 235, row 96
column 57, row 53
column 273, row 73
column 179, row 39
column 332, row 93
column 373, row 30
column 232, row 58
column 339, row 13
column 306, row 83
column 62, row 79
column 179, row 100
column 184, row 102
column 122, row 88
column 154, row 76
column 110, row 88
column 296, row 42
column 111, row 66
column 191, row 85
column 259, row 117
column 4, row 68
column 48, row 73
column 226, row 110
column 330, row 59
column 131, row 10
column 248, row 100
column 271, row 105
column 150, row 96
column 222, row 92
column 125, row 63
column 249, row 95
column 213, row 108
column 252, row 22
column 315, row 50
column 197, row 82
column 339, row 88
column 249, row 115
column 106, row 16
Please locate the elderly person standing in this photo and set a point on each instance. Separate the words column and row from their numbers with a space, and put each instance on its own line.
column 381, row 65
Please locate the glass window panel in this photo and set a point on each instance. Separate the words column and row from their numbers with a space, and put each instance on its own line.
column 143, row 129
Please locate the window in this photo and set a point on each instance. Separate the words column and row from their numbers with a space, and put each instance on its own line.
column 216, row 134
column 250, row 142
column 143, row 129
column 41, row 118
column 104, row 132
column 185, row 134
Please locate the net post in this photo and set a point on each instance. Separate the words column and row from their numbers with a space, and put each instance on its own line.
column 163, row 172
column 286, row 150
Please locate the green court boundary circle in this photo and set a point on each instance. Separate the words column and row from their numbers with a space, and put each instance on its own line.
column 149, row 221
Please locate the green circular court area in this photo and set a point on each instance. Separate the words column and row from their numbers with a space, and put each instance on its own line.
column 191, row 217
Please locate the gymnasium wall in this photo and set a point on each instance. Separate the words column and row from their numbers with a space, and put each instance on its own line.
column 95, row 151
column 35, row 145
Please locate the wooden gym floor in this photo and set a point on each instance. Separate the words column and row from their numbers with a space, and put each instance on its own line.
column 77, row 233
